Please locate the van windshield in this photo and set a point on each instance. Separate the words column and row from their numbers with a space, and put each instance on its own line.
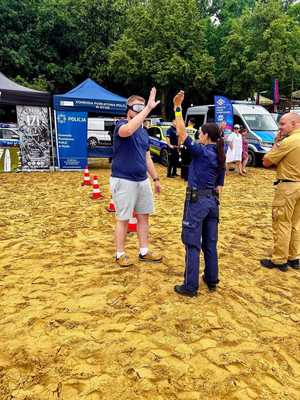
column 260, row 122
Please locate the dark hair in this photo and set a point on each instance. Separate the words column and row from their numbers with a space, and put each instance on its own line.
column 215, row 134
column 192, row 120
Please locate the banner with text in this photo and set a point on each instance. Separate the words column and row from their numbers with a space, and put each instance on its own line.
column 71, row 139
column 223, row 112
column 33, row 123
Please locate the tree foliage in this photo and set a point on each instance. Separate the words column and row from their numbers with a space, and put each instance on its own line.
column 164, row 45
column 264, row 43
column 234, row 47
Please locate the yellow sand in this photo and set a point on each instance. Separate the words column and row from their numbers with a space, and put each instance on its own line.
column 75, row 326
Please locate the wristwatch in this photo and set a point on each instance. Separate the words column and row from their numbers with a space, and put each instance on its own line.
column 178, row 109
column 156, row 179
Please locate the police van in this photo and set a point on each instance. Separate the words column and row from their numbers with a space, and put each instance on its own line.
column 262, row 128
column 100, row 131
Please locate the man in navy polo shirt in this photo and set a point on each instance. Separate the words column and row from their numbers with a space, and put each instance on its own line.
column 129, row 182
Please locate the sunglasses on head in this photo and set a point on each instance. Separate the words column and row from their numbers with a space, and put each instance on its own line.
column 136, row 107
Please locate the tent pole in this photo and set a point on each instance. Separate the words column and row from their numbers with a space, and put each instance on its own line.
column 56, row 141
column 51, row 136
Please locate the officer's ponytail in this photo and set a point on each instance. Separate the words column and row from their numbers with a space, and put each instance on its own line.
column 221, row 152
column 214, row 133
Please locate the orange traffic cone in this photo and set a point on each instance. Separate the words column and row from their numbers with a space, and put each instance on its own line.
column 86, row 177
column 111, row 207
column 96, row 190
column 132, row 224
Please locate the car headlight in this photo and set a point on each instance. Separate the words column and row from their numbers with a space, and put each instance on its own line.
column 267, row 144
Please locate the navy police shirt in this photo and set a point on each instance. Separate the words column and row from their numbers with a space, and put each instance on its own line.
column 172, row 134
column 204, row 172
column 129, row 154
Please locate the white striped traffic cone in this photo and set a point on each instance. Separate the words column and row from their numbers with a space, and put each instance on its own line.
column 132, row 224
column 86, row 177
column 96, row 190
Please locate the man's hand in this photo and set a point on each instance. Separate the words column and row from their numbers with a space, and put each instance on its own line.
column 178, row 99
column 279, row 137
column 152, row 103
column 157, row 187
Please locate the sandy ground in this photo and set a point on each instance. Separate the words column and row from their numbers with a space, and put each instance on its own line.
column 75, row 326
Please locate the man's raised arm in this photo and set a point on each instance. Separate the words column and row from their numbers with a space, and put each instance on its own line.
column 133, row 124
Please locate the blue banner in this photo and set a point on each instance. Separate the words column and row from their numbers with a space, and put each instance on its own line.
column 223, row 112
column 71, row 127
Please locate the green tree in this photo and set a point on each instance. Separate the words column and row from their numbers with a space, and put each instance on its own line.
column 163, row 45
column 55, row 44
column 263, row 43
column 17, row 24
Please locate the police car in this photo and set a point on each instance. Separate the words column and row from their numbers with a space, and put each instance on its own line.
column 9, row 136
column 158, row 142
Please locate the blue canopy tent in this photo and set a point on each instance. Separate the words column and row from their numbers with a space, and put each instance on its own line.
column 71, row 117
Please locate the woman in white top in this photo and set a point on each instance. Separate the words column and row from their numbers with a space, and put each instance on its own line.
column 235, row 149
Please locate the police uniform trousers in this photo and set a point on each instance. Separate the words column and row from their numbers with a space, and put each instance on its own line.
column 286, row 222
column 173, row 162
column 200, row 231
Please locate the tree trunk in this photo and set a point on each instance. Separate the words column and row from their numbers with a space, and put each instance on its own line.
column 164, row 103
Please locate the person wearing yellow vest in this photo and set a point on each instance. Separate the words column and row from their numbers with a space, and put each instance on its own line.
column 285, row 155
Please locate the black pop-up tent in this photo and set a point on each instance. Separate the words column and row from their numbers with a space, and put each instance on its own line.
column 34, row 127
column 12, row 93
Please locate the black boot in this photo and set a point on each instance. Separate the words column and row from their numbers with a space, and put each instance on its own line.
column 267, row 263
column 295, row 264
column 211, row 286
column 180, row 289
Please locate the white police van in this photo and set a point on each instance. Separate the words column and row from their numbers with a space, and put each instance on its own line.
column 100, row 132
column 261, row 126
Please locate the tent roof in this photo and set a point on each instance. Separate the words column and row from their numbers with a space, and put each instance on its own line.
column 89, row 96
column 14, row 94
column 264, row 101
column 7, row 84
column 296, row 94
column 91, row 89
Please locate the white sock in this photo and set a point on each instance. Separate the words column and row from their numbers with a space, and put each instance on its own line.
column 120, row 253
column 143, row 251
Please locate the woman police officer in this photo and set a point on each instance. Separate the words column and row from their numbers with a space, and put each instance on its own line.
column 201, row 210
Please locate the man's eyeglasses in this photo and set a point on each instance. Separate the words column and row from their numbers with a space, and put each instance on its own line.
column 136, row 107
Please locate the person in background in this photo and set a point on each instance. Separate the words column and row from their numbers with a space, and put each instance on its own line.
column 172, row 140
column 223, row 128
column 235, row 149
column 147, row 124
column 201, row 210
column 185, row 157
column 129, row 183
column 245, row 155
column 285, row 155
column 191, row 123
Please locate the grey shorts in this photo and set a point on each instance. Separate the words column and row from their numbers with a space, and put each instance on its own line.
column 130, row 196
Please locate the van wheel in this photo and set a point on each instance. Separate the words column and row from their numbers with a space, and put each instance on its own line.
column 164, row 157
column 92, row 142
column 252, row 158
